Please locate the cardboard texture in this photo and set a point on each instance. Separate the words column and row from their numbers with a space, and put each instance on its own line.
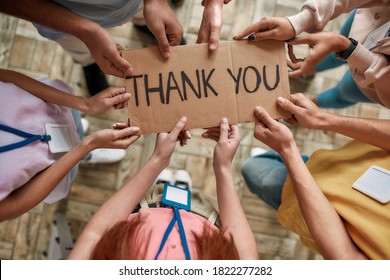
column 204, row 86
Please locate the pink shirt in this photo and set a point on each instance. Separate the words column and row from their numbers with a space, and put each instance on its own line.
column 22, row 110
column 156, row 220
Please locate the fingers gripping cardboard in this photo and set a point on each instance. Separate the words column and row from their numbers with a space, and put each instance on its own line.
column 205, row 86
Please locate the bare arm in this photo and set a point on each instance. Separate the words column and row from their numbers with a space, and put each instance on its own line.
column 309, row 115
column 33, row 192
column 118, row 207
column 111, row 97
column 97, row 39
column 232, row 216
column 323, row 222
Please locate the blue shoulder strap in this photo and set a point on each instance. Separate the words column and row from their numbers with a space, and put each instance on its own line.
column 29, row 138
column 176, row 217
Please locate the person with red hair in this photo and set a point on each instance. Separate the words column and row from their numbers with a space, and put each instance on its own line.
column 120, row 230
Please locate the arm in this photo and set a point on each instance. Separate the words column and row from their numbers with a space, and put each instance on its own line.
column 309, row 115
column 212, row 21
column 97, row 39
column 33, row 192
column 370, row 70
column 315, row 14
column 118, row 207
column 323, row 222
column 232, row 215
column 97, row 104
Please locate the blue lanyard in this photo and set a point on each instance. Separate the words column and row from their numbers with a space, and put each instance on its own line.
column 29, row 138
column 176, row 217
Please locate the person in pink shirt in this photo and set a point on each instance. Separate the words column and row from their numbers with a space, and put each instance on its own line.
column 120, row 230
column 30, row 171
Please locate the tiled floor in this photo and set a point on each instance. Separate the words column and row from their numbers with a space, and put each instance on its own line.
column 22, row 49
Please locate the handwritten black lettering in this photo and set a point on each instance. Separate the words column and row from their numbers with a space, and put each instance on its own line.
column 158, row 89
column 187, row 81
column 266, row 81
column 236, row 80
column 135, row 87
column 206, row 83
column 172, row 80
column 258, row 79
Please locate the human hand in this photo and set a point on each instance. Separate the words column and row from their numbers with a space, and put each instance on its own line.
column 276, row 28
column 227, row 138
column 272, row 133
column 166, row 142
column 107, row 53
column 211, row 25
column 162, row 22
column 116, row 97
column 320, row 45
column 119, row 137
column 304, row 111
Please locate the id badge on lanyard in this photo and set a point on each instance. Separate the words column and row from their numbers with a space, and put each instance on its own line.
column 177, row 198
column 61, row 138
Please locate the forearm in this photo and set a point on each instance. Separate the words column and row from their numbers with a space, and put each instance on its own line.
column 323, row 222
column 232, row 216
column 50, row 14
column 117, row 208
column 38, row 188
column 316, row 14
column 46, row 93
column 372, row 131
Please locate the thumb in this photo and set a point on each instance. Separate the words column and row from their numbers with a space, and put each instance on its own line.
column 179, row 127
column 127, row 132
column 224, row 129
column 122, row 64
column 263, row 116
column 118, row 99
column 287, row 105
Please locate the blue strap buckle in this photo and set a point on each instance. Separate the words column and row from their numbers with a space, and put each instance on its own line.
column 45, row 138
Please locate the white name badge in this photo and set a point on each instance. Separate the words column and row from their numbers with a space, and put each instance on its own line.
column 176, row 197
column 375, row 183
column 61, row 138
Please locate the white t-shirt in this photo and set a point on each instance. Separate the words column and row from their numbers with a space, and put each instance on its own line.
column 107, row 13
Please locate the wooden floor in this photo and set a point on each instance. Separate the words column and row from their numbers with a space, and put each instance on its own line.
column 22, row 49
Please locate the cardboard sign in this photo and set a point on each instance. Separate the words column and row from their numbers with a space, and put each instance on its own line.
column 205, row 86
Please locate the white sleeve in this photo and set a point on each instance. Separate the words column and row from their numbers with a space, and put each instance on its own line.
column 372, row 71
column 315, row 14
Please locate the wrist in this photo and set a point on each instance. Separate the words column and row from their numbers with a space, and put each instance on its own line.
column 344, row 47
column 88, row 144
column 342, row 43
column 330, row 123
column 82, row 104
column 287, row 148
column 303, row 21
column 325, row 121
column 222, row 167
column 160, row 161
